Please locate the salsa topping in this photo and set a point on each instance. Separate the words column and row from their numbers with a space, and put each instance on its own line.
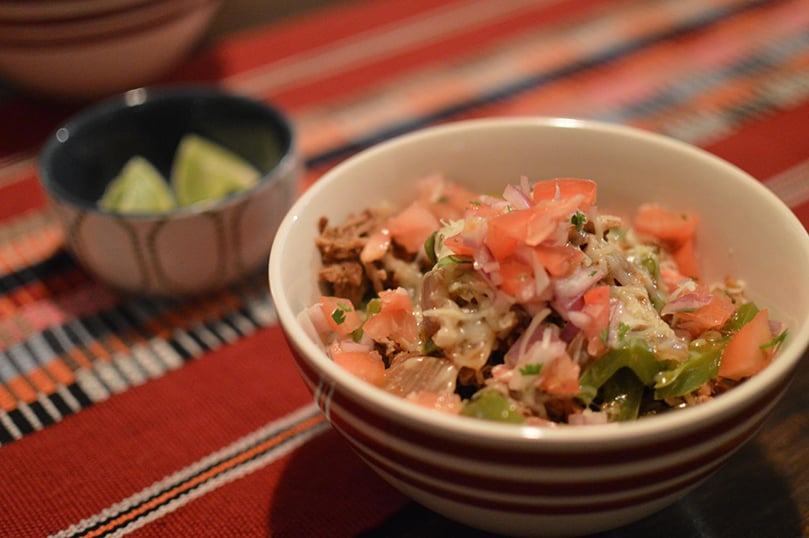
column 533, row 306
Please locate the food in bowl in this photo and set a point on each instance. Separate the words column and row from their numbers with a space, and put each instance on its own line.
column 533, row 307
column 201, row 171
column 519, row 479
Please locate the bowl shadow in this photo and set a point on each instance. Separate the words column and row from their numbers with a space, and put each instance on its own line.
column 327, row 490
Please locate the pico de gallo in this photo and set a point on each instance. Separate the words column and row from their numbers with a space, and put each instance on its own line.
column 533, row 306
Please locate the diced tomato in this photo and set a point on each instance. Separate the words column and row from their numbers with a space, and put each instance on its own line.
column 446, row 403
column 559, row 260
column 366, row 365
column 446, row 199
column 518, row 278
column 456, row 244
column 710, row 316
column 340, row 315
column 743, row 356
column 564, row 188
column 686, row 258
column 377, row 246
column 560, row 376
column 671, row 278
column 505, row 232
column 654, row 220
column 412, row 226
column 395, row 319
column 597, row 308
column 482, row 211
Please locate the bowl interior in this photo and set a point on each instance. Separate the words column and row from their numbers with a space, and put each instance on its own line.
column 745, row 231
column 82, row 156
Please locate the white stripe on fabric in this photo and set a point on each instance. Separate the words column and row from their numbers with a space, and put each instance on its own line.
column 791, row 185
column 266, row 432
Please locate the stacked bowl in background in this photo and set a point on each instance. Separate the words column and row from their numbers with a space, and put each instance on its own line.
column 85, row 49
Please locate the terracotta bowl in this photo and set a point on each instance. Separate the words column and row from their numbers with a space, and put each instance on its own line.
column 189, row 250
column 569, row 480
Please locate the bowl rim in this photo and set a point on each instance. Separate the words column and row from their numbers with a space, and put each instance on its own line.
column 646, row 428
column 137, row 97
column 45, row 35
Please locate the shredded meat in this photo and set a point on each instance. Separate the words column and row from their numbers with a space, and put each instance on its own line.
column 347, row 279
column 340, row 246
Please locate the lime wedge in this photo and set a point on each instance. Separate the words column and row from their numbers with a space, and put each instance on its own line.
column 139, row 188
column 203, row 170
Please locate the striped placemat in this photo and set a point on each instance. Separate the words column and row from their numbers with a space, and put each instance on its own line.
column 695, row 70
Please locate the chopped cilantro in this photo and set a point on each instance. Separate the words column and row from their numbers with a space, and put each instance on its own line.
column 623, row 328
column 531, row 369
column 578, row 219
column 338, row 315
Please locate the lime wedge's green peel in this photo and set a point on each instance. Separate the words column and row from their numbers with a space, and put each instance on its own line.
column 202, row 171
column 139, row 188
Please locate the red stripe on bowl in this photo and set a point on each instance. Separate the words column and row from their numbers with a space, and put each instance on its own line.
column 463, row 473
column 541, row 507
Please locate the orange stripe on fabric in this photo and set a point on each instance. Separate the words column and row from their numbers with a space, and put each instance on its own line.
column 98, row 351
column 231, row 463
column 60, row 371
column 22, row 389
column 7, row 306
column 40, row 380
column 8, row 402
column 79, row 358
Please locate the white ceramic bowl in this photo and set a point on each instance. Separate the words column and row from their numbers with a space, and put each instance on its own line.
column 189, row 250
column 569, row 480
column 91, row 65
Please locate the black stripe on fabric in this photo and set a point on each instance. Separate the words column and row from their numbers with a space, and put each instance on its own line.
column 70, row 332
column 80, row 395
column 214, row 330
column 5, row 435
column 199, row 341
column 53, row 342
column 59, row 262
column 21, row 421
column 112, row 530
column 59, row 403
column 184, row 354
column 41, row 413
column 517, row 87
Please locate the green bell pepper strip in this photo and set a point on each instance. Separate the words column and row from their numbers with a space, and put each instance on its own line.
column 701, row 366
column 743, row 314
column 622, row 395
column 488, row 404
column 637, row 356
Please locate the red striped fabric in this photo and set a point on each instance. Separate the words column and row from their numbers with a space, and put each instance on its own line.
column 179, row 418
